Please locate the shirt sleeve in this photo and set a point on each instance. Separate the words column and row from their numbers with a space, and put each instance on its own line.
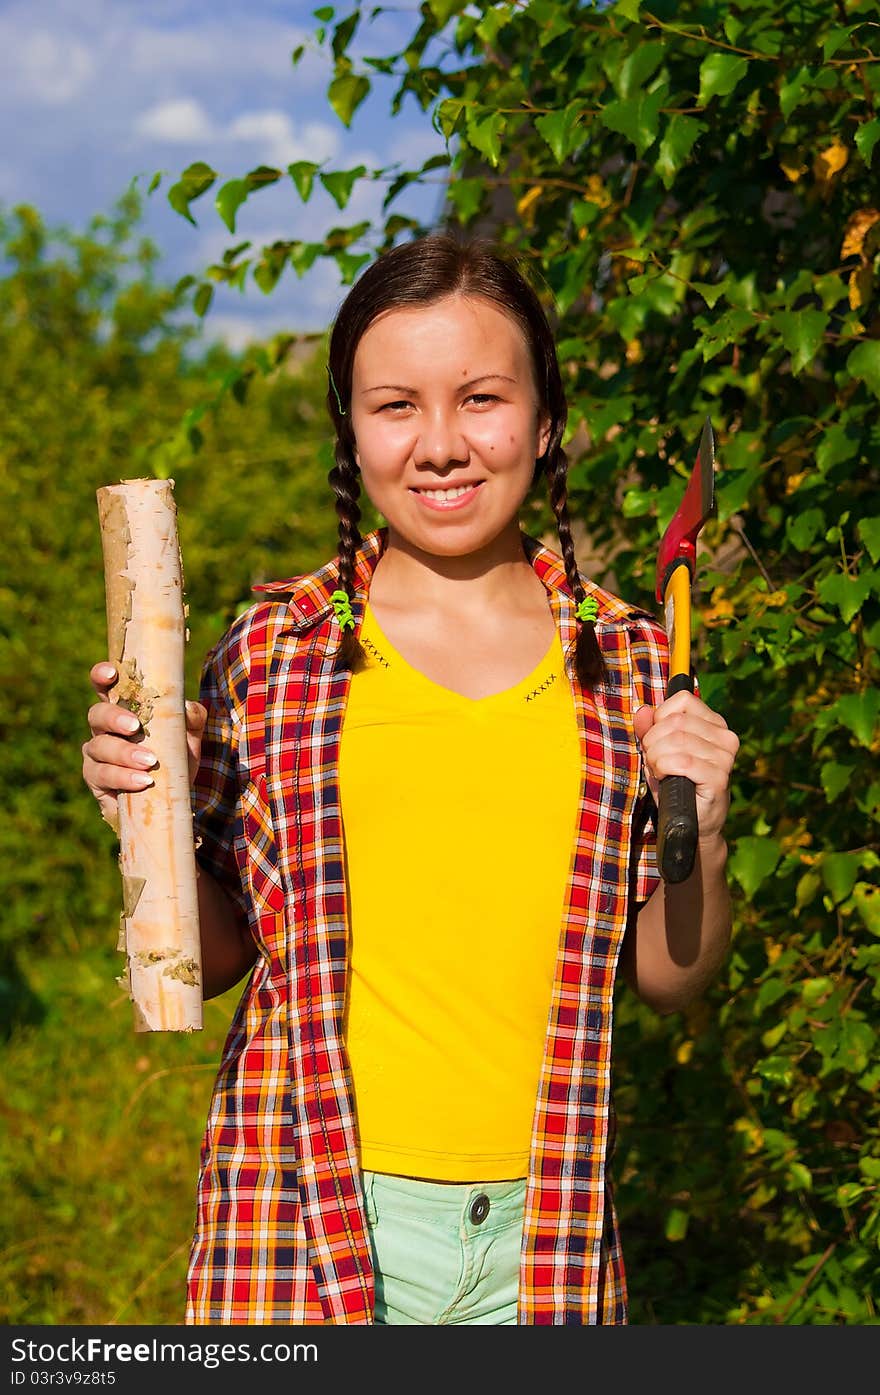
column 649, row 652
column 216, row 792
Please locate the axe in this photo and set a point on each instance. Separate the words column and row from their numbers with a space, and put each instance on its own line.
column 676, row 561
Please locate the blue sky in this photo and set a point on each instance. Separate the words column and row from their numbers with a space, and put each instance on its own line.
column 93, row 92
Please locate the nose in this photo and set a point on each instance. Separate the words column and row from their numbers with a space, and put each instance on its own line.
column 440, row 441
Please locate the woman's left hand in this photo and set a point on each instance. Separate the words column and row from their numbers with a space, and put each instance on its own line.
column 685, row 737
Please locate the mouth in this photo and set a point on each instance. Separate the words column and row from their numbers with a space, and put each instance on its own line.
column 448, row 497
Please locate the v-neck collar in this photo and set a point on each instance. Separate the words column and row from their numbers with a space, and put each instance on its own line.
column 551, row 661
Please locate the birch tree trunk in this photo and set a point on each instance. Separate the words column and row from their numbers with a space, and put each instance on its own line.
column 146, row 631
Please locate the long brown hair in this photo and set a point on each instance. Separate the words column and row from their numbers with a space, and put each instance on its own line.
column 420, row 272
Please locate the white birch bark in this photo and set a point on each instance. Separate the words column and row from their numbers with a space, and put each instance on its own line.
column 146, row 631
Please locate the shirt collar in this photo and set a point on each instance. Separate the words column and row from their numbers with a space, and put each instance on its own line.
column 309, row 596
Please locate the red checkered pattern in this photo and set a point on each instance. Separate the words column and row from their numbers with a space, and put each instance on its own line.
column 281, row 1231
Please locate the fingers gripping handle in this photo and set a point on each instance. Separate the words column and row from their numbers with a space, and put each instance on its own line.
column 677, row 827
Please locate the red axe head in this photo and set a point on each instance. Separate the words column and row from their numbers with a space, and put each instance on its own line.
column 679, row 542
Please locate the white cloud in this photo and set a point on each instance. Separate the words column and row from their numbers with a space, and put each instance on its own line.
column 277, row 141
column 274, row 139
column 242, row 44
column 182, row 119
column 413, row 148
column 54, row 70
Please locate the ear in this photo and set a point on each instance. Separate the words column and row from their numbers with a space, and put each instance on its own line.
column 544, row 425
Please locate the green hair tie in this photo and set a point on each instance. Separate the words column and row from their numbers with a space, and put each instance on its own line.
column 588, row 610
column 342, row 606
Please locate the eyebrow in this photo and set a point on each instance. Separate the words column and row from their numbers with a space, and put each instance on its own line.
column 413, row 392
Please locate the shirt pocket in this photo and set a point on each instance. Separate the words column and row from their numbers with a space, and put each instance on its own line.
column 261, row 874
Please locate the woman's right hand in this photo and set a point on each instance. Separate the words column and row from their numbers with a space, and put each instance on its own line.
column 115, row 758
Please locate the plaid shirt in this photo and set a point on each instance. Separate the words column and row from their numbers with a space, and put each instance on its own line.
column 281, row 1229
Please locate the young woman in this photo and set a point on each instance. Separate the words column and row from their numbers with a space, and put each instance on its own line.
column 424, row 786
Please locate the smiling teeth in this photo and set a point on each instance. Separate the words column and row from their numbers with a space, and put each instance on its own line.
column 447, row 493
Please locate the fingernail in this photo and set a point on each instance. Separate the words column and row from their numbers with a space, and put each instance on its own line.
column 107, row 671
column 129, row 722
column 145, row 758
column 142, row 782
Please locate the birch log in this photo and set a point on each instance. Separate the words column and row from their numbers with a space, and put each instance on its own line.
column 146, row 631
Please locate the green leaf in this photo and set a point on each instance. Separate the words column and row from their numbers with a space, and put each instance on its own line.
column 812, row 989
column 350, row 263
column 560, row 130
column 195, row 181
column 719, row 75
column 839, row 873
column 345, row 95
column 447, row 114
column 801, row 1177
column 868, row 530
column 492, row 22
column 835, row 40
column 324, row 14
column 847, row 593
column 443, row 10
column 630, row 76
column 803, row 528
column 795, row 91
column 834, row 778
column 710, row 294
column 202, row 299
column 753, row 860
column 866, row 138
column 777, row 1070
column 734, row 489
column 866, row 898
column 838, row 444
column 262, row 177
column 485, row 135
column 802, row 333
column 858, row 712
column 229, row 199
column 636, row 118
column 339, row 183
column 637, row 502
column 770, row 992
column 550, row 19
column 806, row 889
column 344, row 33
column 303, row 255
column 676, row 1219
column 154, row 182
column 678, row 141
column 864, row 363
column 628, row 8
column 466, row 195
column 727, row 328
column 303, row 175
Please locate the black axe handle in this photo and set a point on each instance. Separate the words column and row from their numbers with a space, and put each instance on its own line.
column 677, row 827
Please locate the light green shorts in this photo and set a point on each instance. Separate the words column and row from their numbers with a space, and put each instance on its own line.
column 444, row 1252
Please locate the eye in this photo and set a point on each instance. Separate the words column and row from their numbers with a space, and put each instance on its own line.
column 482, row 397
column 392, row 406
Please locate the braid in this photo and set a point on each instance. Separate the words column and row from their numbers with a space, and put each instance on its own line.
column 344, row 480
column 588, row 661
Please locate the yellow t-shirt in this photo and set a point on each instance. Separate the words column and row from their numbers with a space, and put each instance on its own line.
column 457, row 871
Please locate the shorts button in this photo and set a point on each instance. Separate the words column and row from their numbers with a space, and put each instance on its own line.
column 479, row 1208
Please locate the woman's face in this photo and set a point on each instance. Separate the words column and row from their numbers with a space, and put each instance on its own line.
column 446, row 421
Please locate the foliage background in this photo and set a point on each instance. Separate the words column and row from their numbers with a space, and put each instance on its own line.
column 691, row 188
